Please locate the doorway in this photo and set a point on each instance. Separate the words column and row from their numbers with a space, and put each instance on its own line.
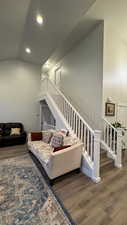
column 47, row 119
column 58, row 77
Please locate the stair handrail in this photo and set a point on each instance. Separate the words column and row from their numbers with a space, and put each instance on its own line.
column 109, row 124
column 81, row 118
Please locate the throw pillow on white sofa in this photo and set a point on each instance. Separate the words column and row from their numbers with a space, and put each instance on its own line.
column 56, row 140
column 46, row 136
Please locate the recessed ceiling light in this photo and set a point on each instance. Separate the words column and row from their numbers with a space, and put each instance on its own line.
column 39, row 19
column 28, row 50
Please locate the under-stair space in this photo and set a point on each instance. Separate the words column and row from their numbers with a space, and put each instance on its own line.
column 47, row 119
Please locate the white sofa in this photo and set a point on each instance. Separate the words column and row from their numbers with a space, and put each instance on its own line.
column 56, row 163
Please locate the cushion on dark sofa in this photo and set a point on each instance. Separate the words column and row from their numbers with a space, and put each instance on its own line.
column 13, row 140
column 8, row 140
column 8, row 126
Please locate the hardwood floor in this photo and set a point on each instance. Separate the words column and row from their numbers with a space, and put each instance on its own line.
column 96, row 204
column 89, row 203
column 9, row 152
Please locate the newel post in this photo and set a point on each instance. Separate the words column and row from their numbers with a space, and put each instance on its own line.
column 96, row 161
column 118, row 160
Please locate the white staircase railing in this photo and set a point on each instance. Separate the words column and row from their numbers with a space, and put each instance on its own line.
column 112, row 142
column 89, row 137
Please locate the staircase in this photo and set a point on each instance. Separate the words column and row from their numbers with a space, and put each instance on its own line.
column 67, row 116
column 112, row 142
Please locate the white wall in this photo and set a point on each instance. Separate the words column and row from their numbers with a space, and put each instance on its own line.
column 115, row 68
column 19, row 86
column 82, row 76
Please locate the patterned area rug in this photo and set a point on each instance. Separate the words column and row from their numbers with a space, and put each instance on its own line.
column 25, row 197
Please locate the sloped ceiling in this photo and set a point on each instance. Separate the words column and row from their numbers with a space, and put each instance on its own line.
column 112, row 12
column 18, row 27
column 13, row 15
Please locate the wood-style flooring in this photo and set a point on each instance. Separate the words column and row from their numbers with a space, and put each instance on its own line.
column 10, row 152
column 89, row 203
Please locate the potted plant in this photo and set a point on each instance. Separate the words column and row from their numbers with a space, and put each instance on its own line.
column 117, row 125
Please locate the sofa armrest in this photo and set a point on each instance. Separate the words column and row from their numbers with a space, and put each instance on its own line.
column 66, row 160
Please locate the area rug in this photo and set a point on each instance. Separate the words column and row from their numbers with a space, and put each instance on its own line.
column 25, row 197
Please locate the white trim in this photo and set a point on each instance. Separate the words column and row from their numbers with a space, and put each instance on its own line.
column 122, row 105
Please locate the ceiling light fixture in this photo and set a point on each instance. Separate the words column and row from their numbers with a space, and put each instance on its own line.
column 39, row 19
column 28, row 50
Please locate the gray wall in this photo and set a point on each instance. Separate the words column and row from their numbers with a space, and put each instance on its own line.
column 19, row 87
column 115, row 73
column 82, row 76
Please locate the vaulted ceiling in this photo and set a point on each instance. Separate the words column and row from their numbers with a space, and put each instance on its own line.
column 112, row 12
column 65, row 23
column 19, row 29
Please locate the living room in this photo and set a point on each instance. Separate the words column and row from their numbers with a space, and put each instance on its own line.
column 26, row 193
column 58, row 67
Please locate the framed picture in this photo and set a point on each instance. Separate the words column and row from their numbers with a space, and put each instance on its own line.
column 109, row 109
